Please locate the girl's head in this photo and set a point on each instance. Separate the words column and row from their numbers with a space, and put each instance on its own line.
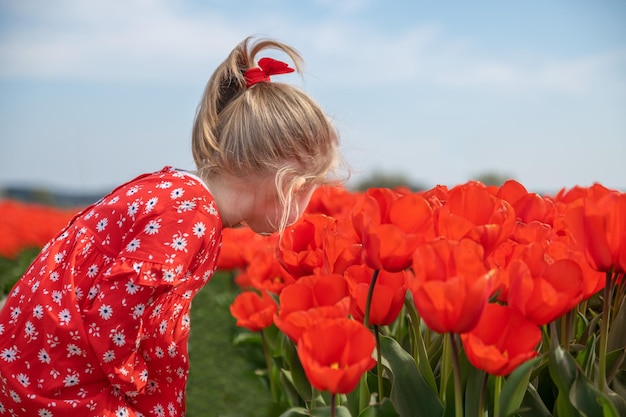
column 268, row 132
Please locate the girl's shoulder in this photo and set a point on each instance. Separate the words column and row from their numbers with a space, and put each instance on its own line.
column 168, row 180
column 165, row 218
column 169, row 187
column 152, row 202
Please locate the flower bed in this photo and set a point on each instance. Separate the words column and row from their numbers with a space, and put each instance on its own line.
column 452, row 301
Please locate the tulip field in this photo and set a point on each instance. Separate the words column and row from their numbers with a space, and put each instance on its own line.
column 469, row 300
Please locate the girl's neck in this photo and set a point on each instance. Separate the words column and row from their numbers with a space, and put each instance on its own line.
column 232, row 199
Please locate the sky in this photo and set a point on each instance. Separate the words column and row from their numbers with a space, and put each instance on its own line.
column 95, row 93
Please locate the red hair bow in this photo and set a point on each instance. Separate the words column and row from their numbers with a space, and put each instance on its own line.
column 267, row 67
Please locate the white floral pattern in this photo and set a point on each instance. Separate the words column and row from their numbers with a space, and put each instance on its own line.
column 99, row 323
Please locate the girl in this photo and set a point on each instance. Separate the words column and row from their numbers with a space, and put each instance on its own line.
column 99, row 323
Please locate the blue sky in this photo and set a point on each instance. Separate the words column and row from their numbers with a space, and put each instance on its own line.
column 94, row 93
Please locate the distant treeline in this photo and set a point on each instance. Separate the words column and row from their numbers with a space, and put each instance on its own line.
column 49, row 197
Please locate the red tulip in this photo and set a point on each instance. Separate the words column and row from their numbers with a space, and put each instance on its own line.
column 335, row 354
column 528, row 206
column 341, row 247
column 452, row 284
column 501, row 341
column 543, row 289
column 240, row 247
column 599, row 227
column 333, row 201
column 437, row 195
column 234, row 241
column 473, row 211
column 24, row 225
column 301, row 245
column 309, row 300
column 265, row 273
column 593, row 280
column 556, row 245
column 390, row 226
column 594, row 192
column 387, row 298
column 253, row 311
column 242, row 279
column 319, row 244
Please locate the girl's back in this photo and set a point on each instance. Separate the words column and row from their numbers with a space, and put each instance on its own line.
column 121, row 275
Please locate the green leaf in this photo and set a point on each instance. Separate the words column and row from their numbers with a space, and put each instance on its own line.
column 384, row 409
column 289, row 389
column 590, row 329
column 340, row 411
column 273, row 339
column 577, row 395
column 607, row 408
column 589, row 401
column 581, row 324
column 515, row 386
column 420, row 352
column 473, row 391
column 617, row 335
column 587, row 357
column 424, row 365
column 247, row 338
column 435, row 350
column 300, row 381
column 614, row 360
column 359, row 398
column 410, row 393
column 618, row 401
column 563, row 373
column 534, row 403
column 295, row 412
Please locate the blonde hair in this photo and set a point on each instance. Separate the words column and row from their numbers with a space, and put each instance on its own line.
column 270, row 128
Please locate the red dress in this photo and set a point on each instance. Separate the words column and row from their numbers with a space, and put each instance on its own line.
column 99, row 323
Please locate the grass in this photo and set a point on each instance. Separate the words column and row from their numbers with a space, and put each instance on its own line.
column 222, row 382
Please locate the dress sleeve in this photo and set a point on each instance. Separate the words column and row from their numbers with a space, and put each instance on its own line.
column 118, row 317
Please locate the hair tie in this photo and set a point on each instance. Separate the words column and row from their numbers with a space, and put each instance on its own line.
column 267, row 67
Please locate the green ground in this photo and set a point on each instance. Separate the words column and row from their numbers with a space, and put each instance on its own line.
column 222, row 382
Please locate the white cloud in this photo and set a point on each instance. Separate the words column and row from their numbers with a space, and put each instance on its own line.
column 120, row 40
column 426, row 55
column 161, row 40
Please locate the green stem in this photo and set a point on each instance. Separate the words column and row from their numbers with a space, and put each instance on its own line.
column 332, row 404
column 379, row 365
column 400, row 329
column 604, row 329
column 363, row 393
column 366, row 323
column 582, row 310
column 566, row 323
column 619, row 295
column 270, row 370
column 314, row 395
column 444, row 369
column 456, row 367
column 497, row 387
column 370, row 295
column 414, row 320
column 483, row 392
